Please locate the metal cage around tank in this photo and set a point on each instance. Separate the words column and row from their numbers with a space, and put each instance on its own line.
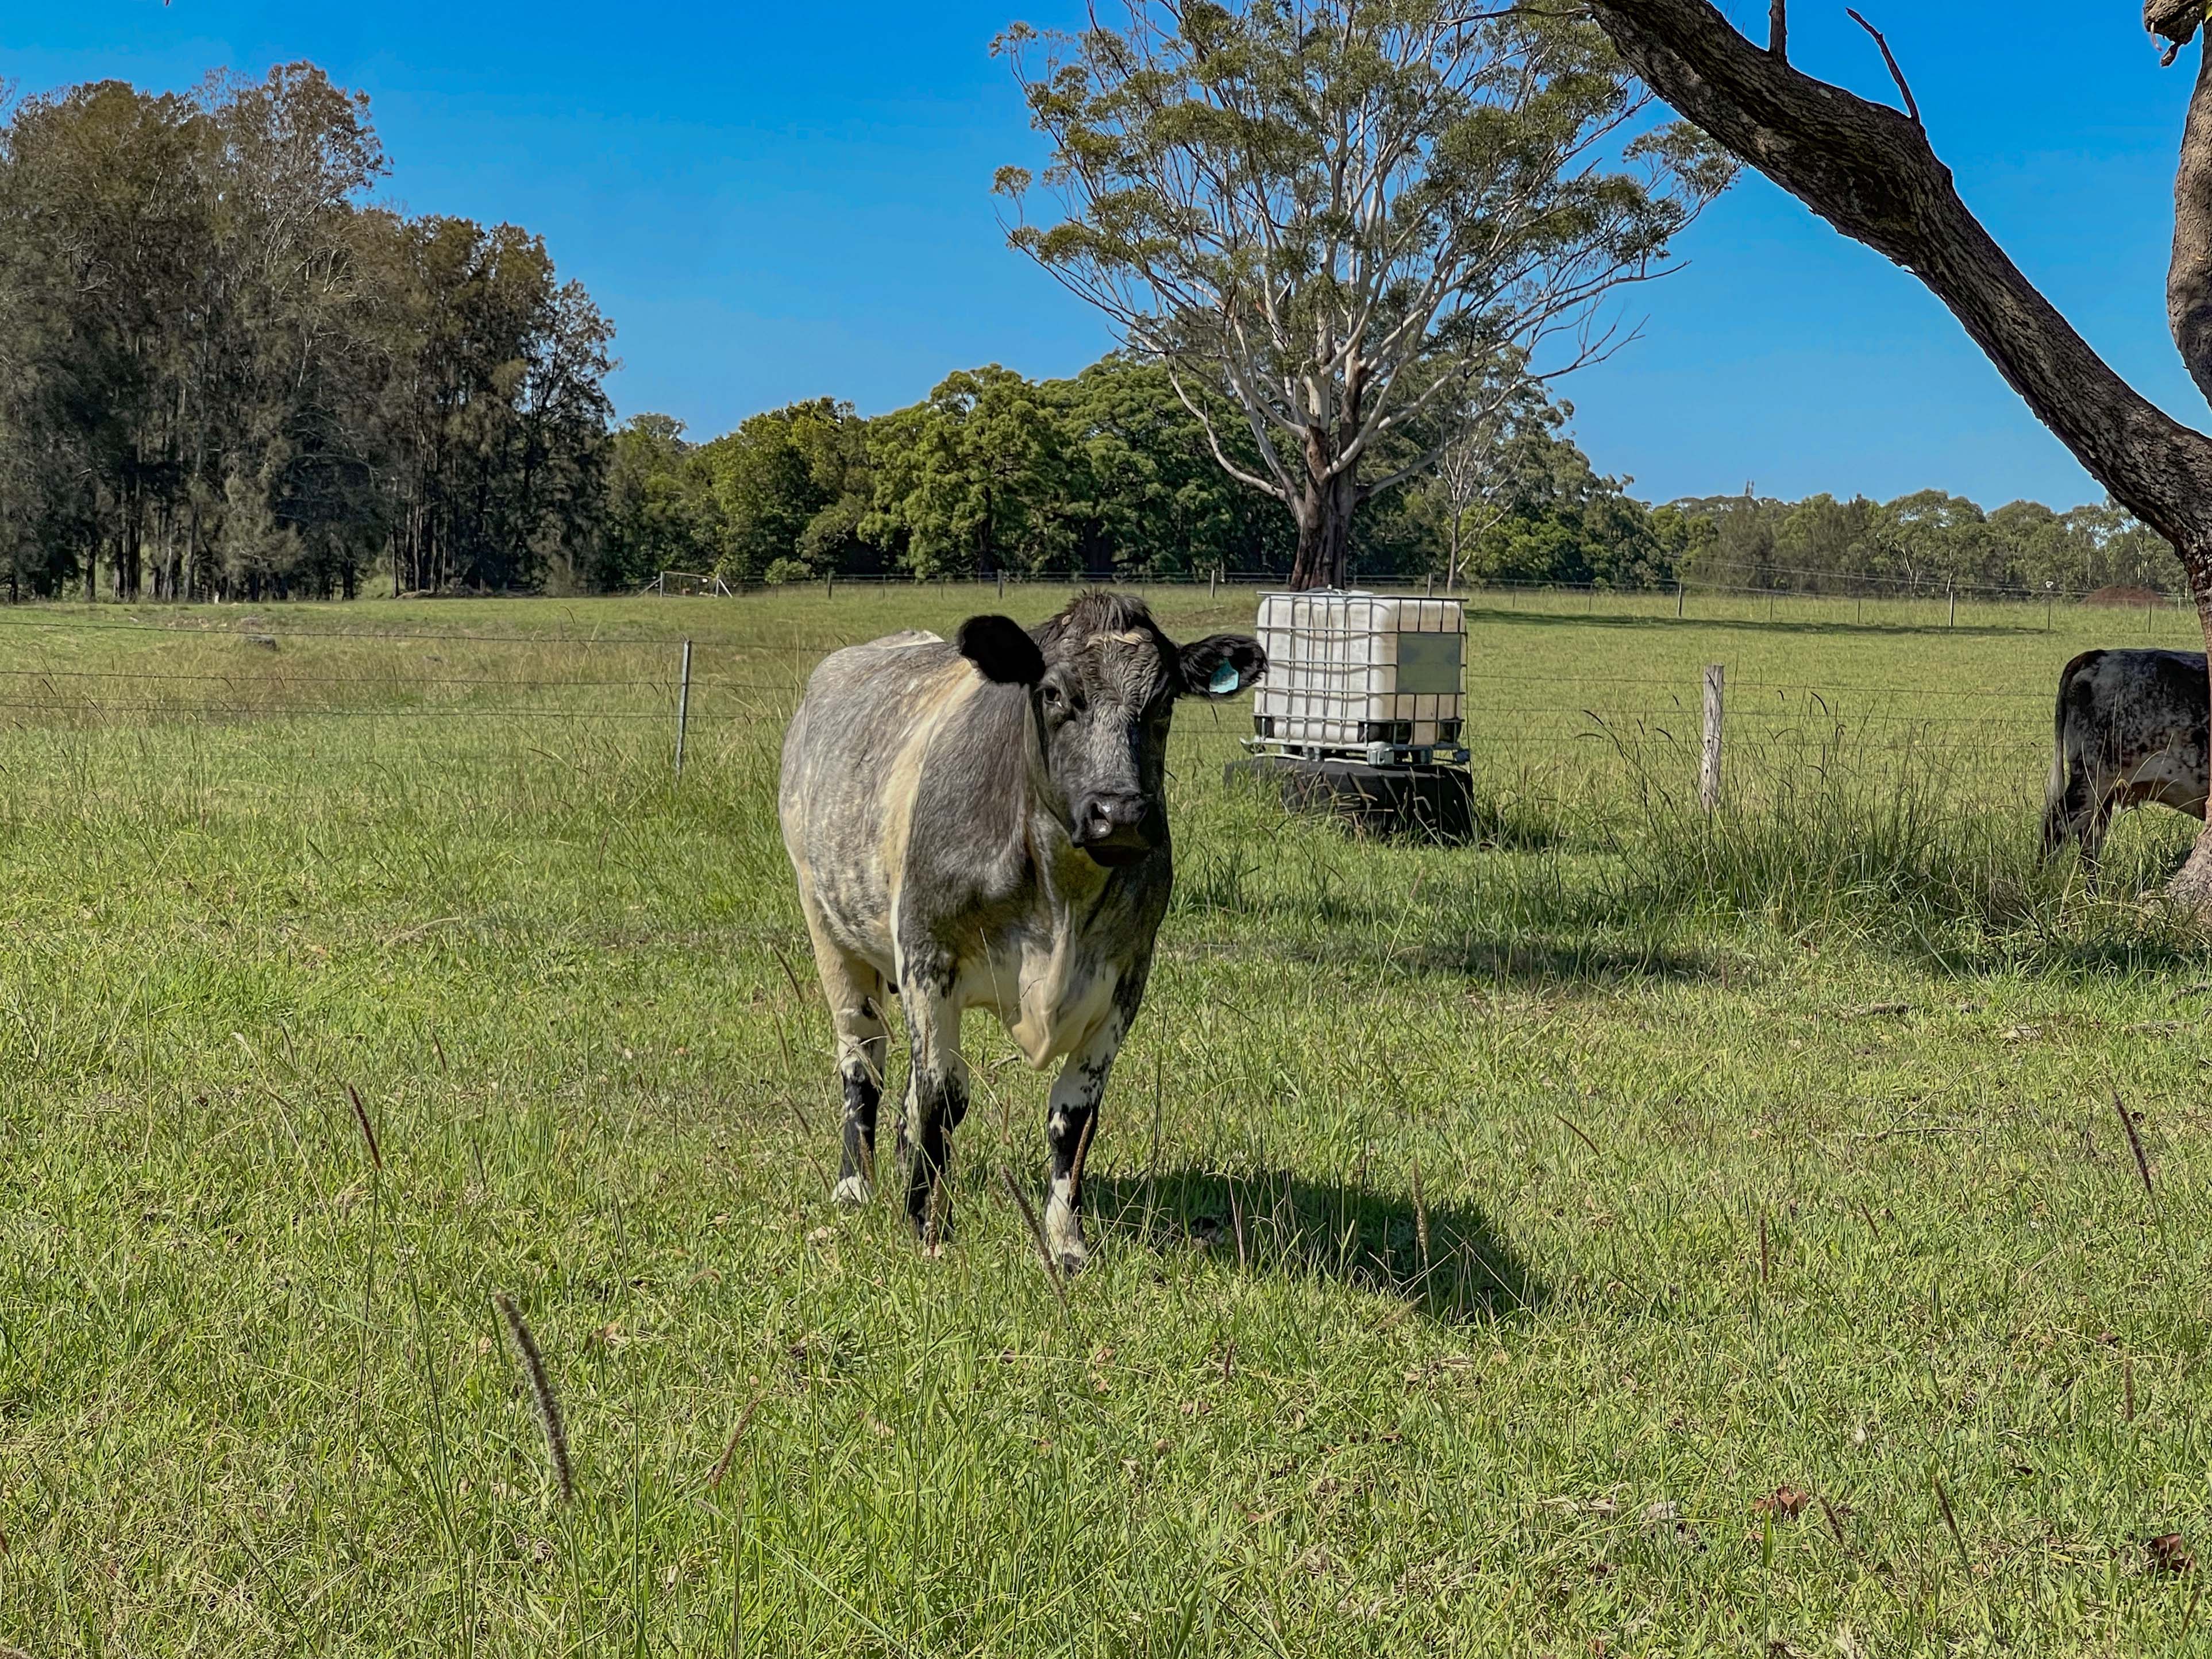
column 1361, row 676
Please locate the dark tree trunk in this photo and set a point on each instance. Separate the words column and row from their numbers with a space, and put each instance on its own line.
column 1324, row 518
column 1324, row 555
column 1869, row 171
column 2192, row 884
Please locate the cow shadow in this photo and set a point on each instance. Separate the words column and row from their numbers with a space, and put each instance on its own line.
column 1443, row 1260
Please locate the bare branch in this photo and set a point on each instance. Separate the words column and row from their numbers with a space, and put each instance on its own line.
column 1889, row 57
column 1282, row 487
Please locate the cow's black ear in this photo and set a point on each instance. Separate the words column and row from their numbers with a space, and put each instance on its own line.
column 1221, row 665
column 1002, row 650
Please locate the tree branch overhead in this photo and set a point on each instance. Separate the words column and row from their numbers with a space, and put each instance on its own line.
column 1870, row 173
column 1904, row 91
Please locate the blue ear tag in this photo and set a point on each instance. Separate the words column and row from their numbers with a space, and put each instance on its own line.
column 1223, row 681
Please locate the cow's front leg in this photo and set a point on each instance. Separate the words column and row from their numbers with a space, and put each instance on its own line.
column 936, row 1099
column 1070, row 1122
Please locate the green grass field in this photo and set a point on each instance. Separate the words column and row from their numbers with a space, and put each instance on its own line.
column 1629, row 1236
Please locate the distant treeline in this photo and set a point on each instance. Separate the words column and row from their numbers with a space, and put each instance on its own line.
column 220, row 372
column 1107, row 474
column 223, row 372
column 1926, row 542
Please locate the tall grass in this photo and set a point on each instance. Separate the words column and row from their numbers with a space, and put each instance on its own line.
column 1893, row 836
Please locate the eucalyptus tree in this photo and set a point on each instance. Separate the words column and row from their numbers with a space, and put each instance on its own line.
column 1870, row 171
column 103, row 244
column 1345, row 218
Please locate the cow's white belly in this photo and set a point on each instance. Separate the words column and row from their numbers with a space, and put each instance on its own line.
column 2168, row 778
column 1050, row 1000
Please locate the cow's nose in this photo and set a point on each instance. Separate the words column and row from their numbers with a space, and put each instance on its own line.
column 1105, row 817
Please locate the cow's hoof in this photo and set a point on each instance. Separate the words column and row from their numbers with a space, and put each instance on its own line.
column 853, row 1192
column 1074, row 1261
column 932, row 1236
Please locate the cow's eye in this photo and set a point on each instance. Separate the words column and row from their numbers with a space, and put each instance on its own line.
column 1051, row 697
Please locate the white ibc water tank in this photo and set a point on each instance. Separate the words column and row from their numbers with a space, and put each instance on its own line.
column 1362, row 675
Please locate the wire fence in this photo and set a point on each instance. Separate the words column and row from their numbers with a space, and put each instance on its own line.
column 56, row 670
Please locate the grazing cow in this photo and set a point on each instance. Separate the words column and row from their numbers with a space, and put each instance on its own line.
column 982, row 824
column 2130, row 727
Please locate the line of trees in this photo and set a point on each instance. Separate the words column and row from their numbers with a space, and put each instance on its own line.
column 1108, row 474
column 225, row 373
column 1927, row 541
column 222, row 373
column 1102, row 474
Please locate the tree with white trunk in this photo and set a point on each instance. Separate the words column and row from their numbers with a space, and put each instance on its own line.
column 1367, row 225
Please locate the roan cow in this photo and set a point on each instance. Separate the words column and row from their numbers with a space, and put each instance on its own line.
column 982, row 824
column 2130, row 727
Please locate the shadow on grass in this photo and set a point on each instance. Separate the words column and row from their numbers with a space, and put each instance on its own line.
column 1551, row 960
column 1548, row 960
column 1503, row 816
column 1445, row 1261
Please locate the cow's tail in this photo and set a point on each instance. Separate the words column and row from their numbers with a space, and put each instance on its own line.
column 2057, row 821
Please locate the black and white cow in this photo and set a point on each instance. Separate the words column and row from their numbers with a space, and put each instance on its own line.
column 982, row 824
column 2130, row 727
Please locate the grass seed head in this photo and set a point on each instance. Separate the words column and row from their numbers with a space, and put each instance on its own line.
column 368, row 1129
column 541, row 1391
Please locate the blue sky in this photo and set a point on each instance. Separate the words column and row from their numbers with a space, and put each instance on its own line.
column 777, row 202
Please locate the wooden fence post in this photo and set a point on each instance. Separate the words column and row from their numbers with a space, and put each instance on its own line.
column 683, row 708
column 1677, row 601
column 1953, row 622
column 1212, row 581
column 1708, row 767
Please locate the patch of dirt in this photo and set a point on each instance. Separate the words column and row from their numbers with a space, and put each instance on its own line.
column 2123, row 596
